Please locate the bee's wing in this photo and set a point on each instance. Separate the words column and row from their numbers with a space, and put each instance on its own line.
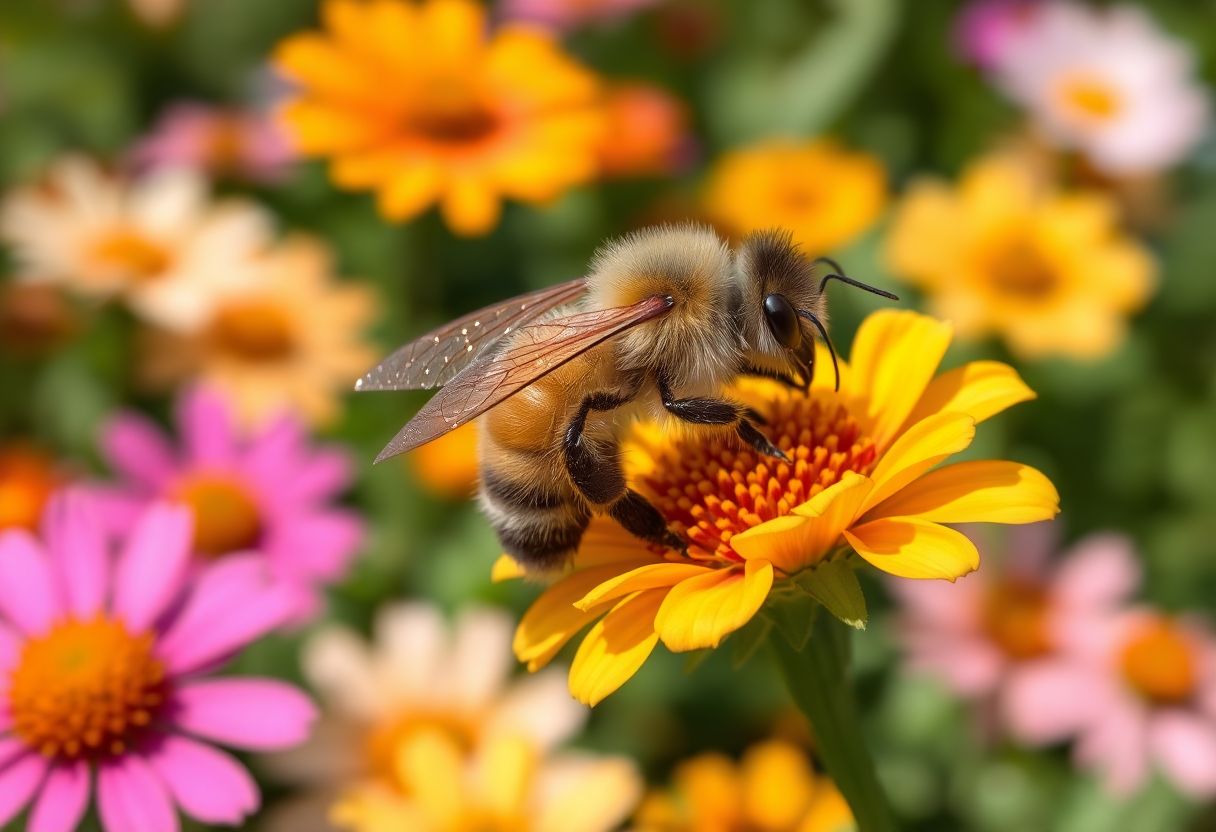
column 434, row 359
column 537, row 349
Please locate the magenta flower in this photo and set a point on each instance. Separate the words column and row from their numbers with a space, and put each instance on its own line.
column 220, row 141
column 104, row 660
column 571, row 14
column 980, row 634
column 269, row 492
column 985, row 28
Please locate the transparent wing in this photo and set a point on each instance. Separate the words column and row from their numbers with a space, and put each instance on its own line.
column 537, row 349
column 434, row 359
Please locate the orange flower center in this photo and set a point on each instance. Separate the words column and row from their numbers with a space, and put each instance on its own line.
column 86, row 688
column 1015, row 617
column 1019, row 270
column 449, row 112
column 1090, row 99
column 384, row 741
column 710, row 489
column 27, row 479
column 1160, row 663
column 226, row 517
column 132, row 253
column 253, row 330
column 225, row 144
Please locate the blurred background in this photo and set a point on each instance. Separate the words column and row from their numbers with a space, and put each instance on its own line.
column 190, row 197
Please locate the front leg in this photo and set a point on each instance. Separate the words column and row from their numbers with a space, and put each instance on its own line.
column 708, row 411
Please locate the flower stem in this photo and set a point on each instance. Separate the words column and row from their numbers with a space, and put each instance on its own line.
column 818, row 680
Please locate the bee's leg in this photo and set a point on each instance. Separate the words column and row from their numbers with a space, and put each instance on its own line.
column 707, row 411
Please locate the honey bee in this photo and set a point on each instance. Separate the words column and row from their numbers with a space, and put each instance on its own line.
column 666, row 317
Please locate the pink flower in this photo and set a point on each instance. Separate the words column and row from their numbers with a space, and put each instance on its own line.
column 267, row 491
column 984, row 28
column 220, row 141
column 980, row 634
column 104, row 662
column 571, row 14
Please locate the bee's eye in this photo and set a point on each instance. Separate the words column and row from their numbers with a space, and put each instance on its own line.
column 782, row 321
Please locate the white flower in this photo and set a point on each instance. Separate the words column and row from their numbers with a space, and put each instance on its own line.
column 1108, row 83
column 157, row 241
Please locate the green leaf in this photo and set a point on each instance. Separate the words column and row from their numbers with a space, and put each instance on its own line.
column 747, row 641
column 793, row 615
column 834, row 585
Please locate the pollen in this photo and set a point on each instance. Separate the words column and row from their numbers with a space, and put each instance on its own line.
column 86, row 689
column 226, row 517
column 710, row 488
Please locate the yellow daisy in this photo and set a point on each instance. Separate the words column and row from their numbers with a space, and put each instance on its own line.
column 420, row 104
column 1002, row 252
column 865, row 479
column 290, row 337
column 773, row 788
column 821, row 192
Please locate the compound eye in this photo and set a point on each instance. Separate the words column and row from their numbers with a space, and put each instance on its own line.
column 782, row 321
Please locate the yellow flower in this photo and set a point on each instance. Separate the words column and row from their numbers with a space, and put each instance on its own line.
column 418, row 103
column 824, row 194
column 448, row 466
column 774, row 788
column 1003, row 253
column 864, row 478
column 288, row 338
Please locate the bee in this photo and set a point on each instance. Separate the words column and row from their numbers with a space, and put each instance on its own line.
column 666, row 317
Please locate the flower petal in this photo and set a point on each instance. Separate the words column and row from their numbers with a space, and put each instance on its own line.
column 650, row 576
column 587, row 793
column 19, row 780
column 152, row 568
column 1185, row 747
column 75, row 541
column 1099, row 572
column 553, row 620
column 539, row 707
column 981, row 389
column 701, row 611
column 918, row 449
column 894, row 357
column 205, row 423
column 616, row 647
column 985, row 491
column 63, row 799
column 136, row 448
column 1052, row 699
column 911, row 548
column 252, row 714
column 208, row 784
column 506, row 568
column 130, row 797
column 29, row 597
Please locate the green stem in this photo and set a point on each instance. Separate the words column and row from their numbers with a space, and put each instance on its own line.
column 818, row 680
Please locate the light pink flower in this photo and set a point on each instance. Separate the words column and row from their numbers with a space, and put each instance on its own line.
column 104, row 662
column 979, row 635
column 220, row 141
column 571, row 14
column 266, row 491
column 984, row 28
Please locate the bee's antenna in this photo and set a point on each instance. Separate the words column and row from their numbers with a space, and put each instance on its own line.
column 810, row 316
column 838, row 274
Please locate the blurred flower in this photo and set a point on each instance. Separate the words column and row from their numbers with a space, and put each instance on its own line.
column 861, row 480
column 448, row 466
column 266, row 493
column 689, row 29
column 1133, row 687
column 571, row 14
column 773, row 788
column 419, row 676
column 825, row 195
column 288, row 338
column 1049, row 271
column 980, row 634
column 158, row 14
column 1107, row 82
column 218, row 141
column 984, row 28
column 27, row 478
column 157, row 241
column 104, row 662
column 34, row 319
column 647, row 131
column 419, row 103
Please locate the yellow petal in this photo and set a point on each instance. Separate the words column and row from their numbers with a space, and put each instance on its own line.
column 410, row 190
column 980, row 389
column 506, row 568
column 701, row 611
column 616, row 647
column 552, row 620
column 911, row 548
column 828, row 811
column 917, row 450
column 585, row 793
column 454, row 30
column 605, row 541
column 895, row 355
column 508, row 765
column 650, row 576
column 712, row 790
column 986, row 491
column 429, row 765
column 777, row 785
column 470, row 207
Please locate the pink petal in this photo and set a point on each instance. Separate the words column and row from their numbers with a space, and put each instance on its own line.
column 29, row 597
column 1049, row 700
column 253, row 714
column 11, row 643
column 208, row 784
column 315, row 546
column 1117, row 746
column 152, row 568
column 1099, row 572
column 969, row 667
column 205, row 423
column 10, row 749
column 76, row 541
column 63, row 800
column 138, row 450
column 19, row 781
column 326, row 473
column 131, row 798
column 940, row 604
column 1185, row 746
